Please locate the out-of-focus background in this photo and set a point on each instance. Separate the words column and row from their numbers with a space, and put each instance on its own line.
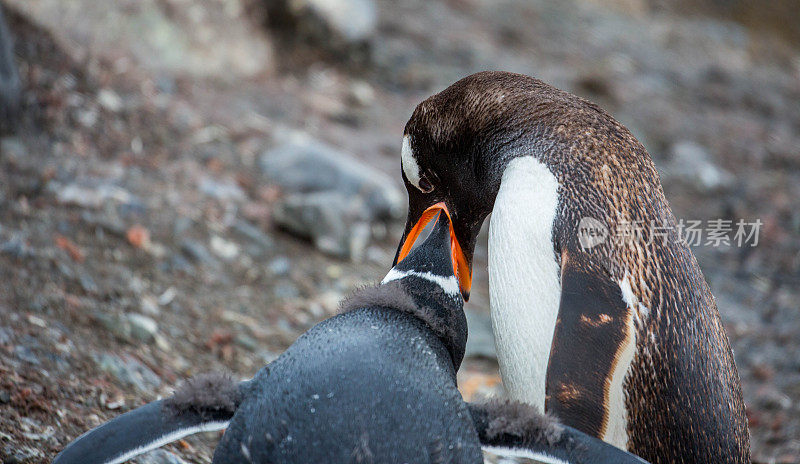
column 189, row 185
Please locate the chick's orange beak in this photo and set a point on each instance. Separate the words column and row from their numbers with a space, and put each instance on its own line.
column 461, row 267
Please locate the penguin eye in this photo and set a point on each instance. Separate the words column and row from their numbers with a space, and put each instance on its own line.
column 425, row 185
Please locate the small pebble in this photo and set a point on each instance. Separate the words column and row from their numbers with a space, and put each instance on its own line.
column 280, row 266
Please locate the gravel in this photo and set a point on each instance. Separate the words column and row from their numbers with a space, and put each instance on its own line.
column 129, row 371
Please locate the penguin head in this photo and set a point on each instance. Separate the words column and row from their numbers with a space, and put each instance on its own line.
column 427, row 276
column 432, row 267
column 457, row 144
column 435, row 257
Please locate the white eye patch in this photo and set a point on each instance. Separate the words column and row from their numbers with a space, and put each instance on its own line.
column 409, row 163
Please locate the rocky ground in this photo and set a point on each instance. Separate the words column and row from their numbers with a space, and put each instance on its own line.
column 163, row 210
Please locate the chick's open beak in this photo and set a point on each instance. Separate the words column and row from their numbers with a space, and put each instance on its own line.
column 461, row 267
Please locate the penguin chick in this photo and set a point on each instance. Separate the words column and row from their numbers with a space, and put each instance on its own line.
column 374, row 384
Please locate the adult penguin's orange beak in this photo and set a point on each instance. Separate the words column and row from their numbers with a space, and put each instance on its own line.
column 462, row 262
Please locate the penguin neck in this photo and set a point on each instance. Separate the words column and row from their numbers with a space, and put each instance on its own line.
column 524, row 283
column 436, row 301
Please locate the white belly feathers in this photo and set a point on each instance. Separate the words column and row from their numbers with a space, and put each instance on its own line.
column 524, row 286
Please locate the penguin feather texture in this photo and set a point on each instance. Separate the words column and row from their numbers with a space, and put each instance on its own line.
column 206, row 393
column 392, row 295
column 388, row 295
column 521, row 420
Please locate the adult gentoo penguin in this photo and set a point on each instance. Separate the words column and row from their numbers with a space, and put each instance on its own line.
column 375, row 384
column 620, row 339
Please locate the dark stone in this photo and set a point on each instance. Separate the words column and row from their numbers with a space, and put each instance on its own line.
column 21, row 455
column 343, row 30
column 197, row 252
column 129, row 371
column 16, row 248
column 10, row 86
column 306, row 165
column 253, row 233
column 5, row 336
column 26, row 354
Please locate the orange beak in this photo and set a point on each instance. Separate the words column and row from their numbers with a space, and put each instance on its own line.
column 461, row 269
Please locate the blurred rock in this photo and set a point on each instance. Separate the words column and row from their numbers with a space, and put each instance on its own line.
column 131, row 327
column 34, row 430
column 331, row 220
column 197, row 252
column 149, row 305
column 168, row 296
column 225, row 249
column 91, row 196
column 285, row 291
column 87, row 283
column 26, row 354
column 329, row 300
column 5, row 336
column 159, row 456
column 378, row 255
column 772, row 399
column 245, row 341
column 20, row 454
column 221, row 190
column 253, row 233
column 16, row 248
column 280, row 266
column 143, row 328
column 110, row 100
column 217, row 43
column 341, row 27
column 778, row 17
column 330, row 197
column 116, row 324
column 9, row 80
column 12, row 146
column 691, row 164
column 360, row 93
column 480, row 343
column 128, row 371
column 305, row 165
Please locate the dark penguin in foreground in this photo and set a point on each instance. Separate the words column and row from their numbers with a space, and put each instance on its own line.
column 600, row 311
column 375, row 384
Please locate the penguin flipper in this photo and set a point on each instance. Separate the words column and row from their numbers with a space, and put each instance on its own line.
column 593, row 345
column 202, row 404
column 520, row 430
